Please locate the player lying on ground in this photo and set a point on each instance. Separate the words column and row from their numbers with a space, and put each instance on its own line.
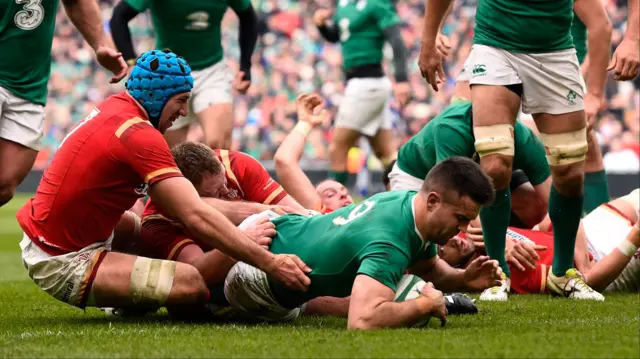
column 363, row 250
column 523, row 54
column 165, row 239
column 25, row 65
column 192, row 29
column 362, row 28
column 112, row 158
column 608, row 232
column 329, row 194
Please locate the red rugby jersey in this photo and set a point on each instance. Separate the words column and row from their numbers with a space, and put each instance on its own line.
column 101, row 168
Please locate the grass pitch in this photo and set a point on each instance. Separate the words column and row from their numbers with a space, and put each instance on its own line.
column 32, row 324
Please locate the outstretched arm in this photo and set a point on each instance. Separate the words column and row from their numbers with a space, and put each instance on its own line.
column 290, row 175
column 248, row 37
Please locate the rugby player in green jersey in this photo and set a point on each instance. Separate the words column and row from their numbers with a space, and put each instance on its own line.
column 362, row 27
column 192, row 29
column 523, row 54
column 26, row 36
column 363, row 250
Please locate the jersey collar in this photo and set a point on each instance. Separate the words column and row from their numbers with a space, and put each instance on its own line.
column 413, row 212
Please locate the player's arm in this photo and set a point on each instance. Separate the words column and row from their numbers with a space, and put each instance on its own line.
column 609, row 268
column 287, row 158
column 434, row 17
column 248, row 34
column 627, row 55
column 85, row 15
column 258, row 186
column 329, row 31
column 178, row 198
column 595, row 18
column 481, row 274
column 235, row 211
column 213, row 265
column 122, row 14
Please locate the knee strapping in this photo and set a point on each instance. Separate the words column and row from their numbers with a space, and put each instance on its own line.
column 151, row 280
column 495, row 139
column 565, row 148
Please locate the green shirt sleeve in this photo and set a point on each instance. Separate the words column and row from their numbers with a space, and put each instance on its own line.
column 530, row 155
column 239, row 5
column 428, row 252
column 383, row 262
column 139, row 5
column 450, row 142
column 384, row 13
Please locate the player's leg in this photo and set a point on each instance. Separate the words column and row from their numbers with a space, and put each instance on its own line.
column 554, row 96
column 21, row 126
column 360, row 113
column 213, row 104
column 382, row 143
column 247, row 290
column 495, row 95
column 596, row 188
column 123, row 280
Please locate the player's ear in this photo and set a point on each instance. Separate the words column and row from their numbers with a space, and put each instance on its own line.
column 433, row 200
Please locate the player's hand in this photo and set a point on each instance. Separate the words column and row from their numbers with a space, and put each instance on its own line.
column 443, row 44
column 592, row 104
column 524, row 255
column 438, row 305
column 482, row 273
column 239, row 84
column 310, row 108
column 402, row 91
column 321, row 16
column 625, row 60
column 113, row 61
column 430, row 63
column 474, row 232
column 261, row 232
column 289, row 270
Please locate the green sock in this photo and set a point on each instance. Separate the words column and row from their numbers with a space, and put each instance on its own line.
column 565, row 215
column 495, row 220
column 596, row 190
column 341, row 177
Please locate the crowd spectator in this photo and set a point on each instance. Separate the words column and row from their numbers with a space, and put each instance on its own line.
column 290, row 58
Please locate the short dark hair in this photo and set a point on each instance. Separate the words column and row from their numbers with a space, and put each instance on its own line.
column 195, row 160
column 463, row 176
column 387, row 170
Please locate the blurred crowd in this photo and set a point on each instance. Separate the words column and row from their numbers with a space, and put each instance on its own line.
column 291, row 57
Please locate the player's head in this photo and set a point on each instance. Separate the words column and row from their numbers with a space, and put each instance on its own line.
column 458, row 251
column 385, row 175
column 161, row 82
column 453, row 192
column 201, row 167
column 334, row 195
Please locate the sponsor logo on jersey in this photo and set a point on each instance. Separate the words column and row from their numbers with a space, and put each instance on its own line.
column 479, row 70
column 198, row 21
column 517, row 236
column 571, row 97
column 142, row 189
column 269, row 183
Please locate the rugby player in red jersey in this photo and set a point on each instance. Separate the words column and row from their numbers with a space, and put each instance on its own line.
column 101, row 168
column 608, row 234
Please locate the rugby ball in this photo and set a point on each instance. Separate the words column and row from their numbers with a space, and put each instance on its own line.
column 410, row 287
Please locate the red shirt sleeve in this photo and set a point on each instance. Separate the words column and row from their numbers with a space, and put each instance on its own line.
column 253, row 179
column 529, row 281
column 146, row 151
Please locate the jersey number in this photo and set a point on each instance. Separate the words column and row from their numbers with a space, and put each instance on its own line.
column 357, row 212
column 93, row 114
column 344, row 29
column 30, row 16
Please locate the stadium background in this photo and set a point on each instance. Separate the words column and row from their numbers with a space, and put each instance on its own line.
column 290, row 58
